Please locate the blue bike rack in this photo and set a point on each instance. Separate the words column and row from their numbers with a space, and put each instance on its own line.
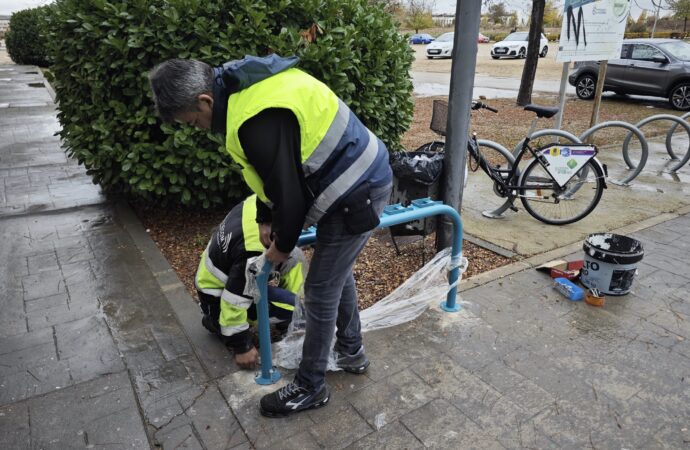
column 392, row 215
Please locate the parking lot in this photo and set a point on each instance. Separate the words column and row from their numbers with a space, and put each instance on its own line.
column 547, row 70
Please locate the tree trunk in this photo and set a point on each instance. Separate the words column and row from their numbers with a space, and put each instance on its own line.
column 530, row 69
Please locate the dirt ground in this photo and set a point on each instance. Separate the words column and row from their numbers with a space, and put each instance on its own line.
column 547, row 68
column 182, row 234
column 510, row 124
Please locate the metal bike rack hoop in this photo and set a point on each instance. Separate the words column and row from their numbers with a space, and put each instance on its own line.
column 498, row 212
column 669, row 135
column 633, row 130
column 678, row 121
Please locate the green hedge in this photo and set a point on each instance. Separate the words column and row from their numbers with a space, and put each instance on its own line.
column 658, row 34
column 103, row 51
column 26, row 41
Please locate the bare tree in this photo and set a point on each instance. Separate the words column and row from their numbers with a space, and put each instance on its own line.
column 390, row 6
column 681, row 9
column 419, row 14
column 498, row 12
column 552, row 15
column 533, row 49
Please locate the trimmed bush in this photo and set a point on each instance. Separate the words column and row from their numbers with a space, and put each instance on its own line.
column 637, row 35
column 103, row 51
column 26, row 41
column 553, row 37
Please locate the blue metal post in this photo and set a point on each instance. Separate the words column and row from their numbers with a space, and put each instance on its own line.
column 269, row 374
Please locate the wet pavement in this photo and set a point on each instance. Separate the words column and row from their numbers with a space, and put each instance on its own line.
column 101, row 346
column 656, row 194
column 438, row 83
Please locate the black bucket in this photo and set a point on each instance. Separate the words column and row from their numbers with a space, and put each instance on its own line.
column 610, row 262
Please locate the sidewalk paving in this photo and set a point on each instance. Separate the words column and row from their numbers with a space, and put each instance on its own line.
column 101, row 346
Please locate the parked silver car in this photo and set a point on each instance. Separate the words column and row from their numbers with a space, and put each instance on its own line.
column 654, row 67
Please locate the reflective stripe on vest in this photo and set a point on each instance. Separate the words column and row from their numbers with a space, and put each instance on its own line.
column 329, row 133
column 233, row 315
column 207, row 279
column 329, row 141
column 344, row 182
column 285, row 306
column 235, row 300
column 216, row 272
column 229, row 330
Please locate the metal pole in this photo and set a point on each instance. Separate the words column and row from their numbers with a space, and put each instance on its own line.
column 656, row 17
column 269, row 374
column 467, row 16
column 561, row 95
column 597, row 95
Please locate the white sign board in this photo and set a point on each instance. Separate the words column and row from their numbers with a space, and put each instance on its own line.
column 567, row 160
column 592, row 30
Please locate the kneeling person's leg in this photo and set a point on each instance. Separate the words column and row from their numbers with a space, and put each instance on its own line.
column 281, row 305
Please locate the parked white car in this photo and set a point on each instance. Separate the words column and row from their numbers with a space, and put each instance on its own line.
column 442, row 47
column 515, row 46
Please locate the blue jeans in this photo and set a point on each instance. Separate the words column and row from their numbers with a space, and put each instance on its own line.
column 330, row 294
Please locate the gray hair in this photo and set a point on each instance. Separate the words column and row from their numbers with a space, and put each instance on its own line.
column 177, row 84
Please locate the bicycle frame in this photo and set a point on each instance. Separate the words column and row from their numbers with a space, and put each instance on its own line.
column 510, row 182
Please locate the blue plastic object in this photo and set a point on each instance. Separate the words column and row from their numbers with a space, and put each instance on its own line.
column 392, row 215
column 569, row 289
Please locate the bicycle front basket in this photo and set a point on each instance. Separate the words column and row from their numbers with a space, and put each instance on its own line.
column 439, row 117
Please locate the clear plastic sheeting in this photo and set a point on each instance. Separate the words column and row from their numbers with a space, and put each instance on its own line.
column 427, row 286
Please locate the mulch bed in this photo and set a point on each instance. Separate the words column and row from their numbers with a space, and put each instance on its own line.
column 182, row 236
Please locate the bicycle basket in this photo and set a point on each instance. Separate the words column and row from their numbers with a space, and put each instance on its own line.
column 439, row 117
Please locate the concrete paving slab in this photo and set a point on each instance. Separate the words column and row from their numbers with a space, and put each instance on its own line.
column 391, row 436
column 97, row 413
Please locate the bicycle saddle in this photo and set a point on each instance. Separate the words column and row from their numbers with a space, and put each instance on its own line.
column 542, row 111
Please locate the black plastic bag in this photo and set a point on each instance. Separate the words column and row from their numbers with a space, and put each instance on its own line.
column 422, row 167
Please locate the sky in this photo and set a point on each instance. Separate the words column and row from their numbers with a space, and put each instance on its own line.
column 524, row 6
column 441, row 6
column 7, row 7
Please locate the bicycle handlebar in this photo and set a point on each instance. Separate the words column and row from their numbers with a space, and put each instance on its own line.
column 480, row 105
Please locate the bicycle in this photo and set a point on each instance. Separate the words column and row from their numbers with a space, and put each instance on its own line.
column 551, row 185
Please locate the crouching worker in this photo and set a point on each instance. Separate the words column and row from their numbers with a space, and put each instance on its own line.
column 220, row 281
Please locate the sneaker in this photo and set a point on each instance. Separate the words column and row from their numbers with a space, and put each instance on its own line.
column 356, row 363
column 293, row 398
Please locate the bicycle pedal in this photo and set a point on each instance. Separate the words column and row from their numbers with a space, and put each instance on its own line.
column 513, row 208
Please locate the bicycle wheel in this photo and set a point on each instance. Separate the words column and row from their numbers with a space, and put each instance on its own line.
column 546, row 201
